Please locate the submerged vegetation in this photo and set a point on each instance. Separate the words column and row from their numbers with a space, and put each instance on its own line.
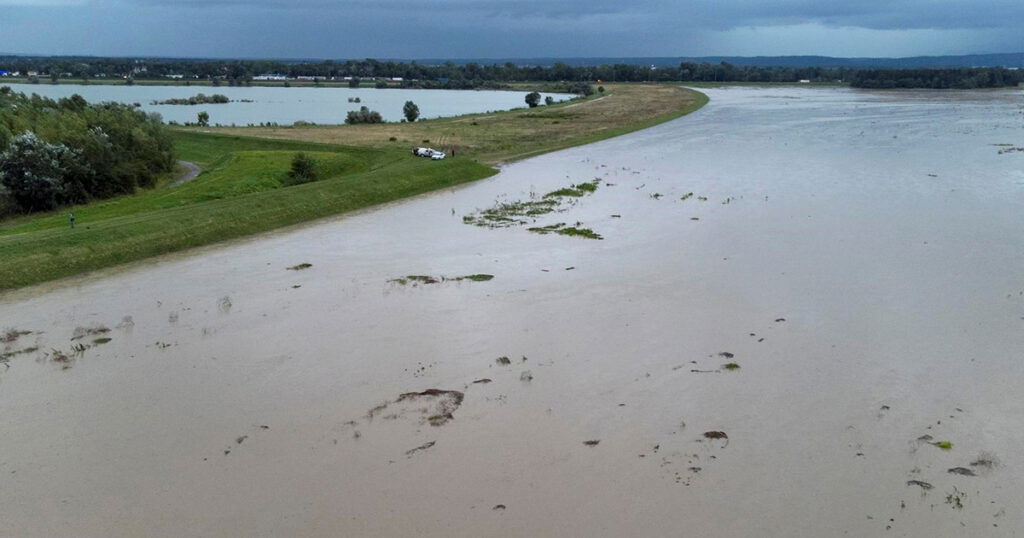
column 517, row 213
column 426, row 279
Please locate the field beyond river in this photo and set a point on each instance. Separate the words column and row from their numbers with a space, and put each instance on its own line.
column 794, row 312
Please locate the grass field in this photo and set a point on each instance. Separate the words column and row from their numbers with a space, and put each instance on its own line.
column 512, row 135
column 243, row 188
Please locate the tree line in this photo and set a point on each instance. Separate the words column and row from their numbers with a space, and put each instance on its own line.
column 61, row 152
column 962, row 79
column 450, row 75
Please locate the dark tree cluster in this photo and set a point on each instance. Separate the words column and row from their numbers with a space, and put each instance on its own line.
column 962, row 79
column 55, row 153
column 449, row 75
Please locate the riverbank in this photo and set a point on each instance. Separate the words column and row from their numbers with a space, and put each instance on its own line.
column 242, row 190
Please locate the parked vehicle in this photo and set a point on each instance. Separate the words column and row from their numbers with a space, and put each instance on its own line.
column 438, row 155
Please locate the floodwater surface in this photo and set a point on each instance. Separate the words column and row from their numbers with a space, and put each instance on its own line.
column 284, row 106
column 858, row 255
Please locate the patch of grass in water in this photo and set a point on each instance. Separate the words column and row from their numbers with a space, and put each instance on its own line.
column 731, row 366
column 562, row 229
column 426, row 279
column 577, row 190
column 101, row 341
column 476, row 278
column 944, row 445
column 519, row 212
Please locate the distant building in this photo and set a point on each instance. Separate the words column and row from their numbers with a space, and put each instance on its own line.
column 397, row 79
column 270, row 76
column 176, row 77
column 805, row 81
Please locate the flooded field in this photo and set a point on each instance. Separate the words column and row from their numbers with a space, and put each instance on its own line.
column 802, row 315
column 284, row 106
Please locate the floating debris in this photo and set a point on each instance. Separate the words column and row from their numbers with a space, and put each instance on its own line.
column 923, row 485
column 300, row 267
column 420, row 448
column 962, row 471
column 11, row 335
column 95, row 330
column 526, row 376
column 592, row 442
column 715, row 435
column 482, row 381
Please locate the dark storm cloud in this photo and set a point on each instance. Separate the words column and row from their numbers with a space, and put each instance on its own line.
column 717, row 14
column 491, row 28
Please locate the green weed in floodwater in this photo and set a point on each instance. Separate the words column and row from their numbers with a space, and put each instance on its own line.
column 731, row 366
column 520, row 212
column 944, row 445
column 562, row 229
column 426, row 279
column 101, row 341
column 577, row 190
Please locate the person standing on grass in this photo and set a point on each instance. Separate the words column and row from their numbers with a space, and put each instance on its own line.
column 71, row 219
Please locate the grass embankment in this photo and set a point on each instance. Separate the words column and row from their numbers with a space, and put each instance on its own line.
column 240, row 194
column 243, row 191
column 516, row 134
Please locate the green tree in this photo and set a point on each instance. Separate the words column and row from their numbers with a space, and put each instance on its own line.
column 203, row 118
column 380, row 85
column 411, row 111
column 353, row 82
column 54, row 77
column 32, row 171
column 600, row 89
column 533, row 99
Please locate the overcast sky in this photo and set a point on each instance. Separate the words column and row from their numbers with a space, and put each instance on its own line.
column 509, row 28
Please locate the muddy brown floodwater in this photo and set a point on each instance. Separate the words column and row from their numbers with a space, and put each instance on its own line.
column 825, row 352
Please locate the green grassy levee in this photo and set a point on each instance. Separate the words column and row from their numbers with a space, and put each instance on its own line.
column 216, row 206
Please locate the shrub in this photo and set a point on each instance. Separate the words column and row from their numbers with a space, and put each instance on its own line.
column 363, row 115
column 533, row 99
column 549, row 100
column 303, row 169
column 380, row 85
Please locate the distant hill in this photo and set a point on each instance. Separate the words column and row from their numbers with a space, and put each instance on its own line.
column 1015, row 59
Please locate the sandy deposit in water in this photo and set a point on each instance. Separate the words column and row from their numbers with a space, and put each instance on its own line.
column 857, row 255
